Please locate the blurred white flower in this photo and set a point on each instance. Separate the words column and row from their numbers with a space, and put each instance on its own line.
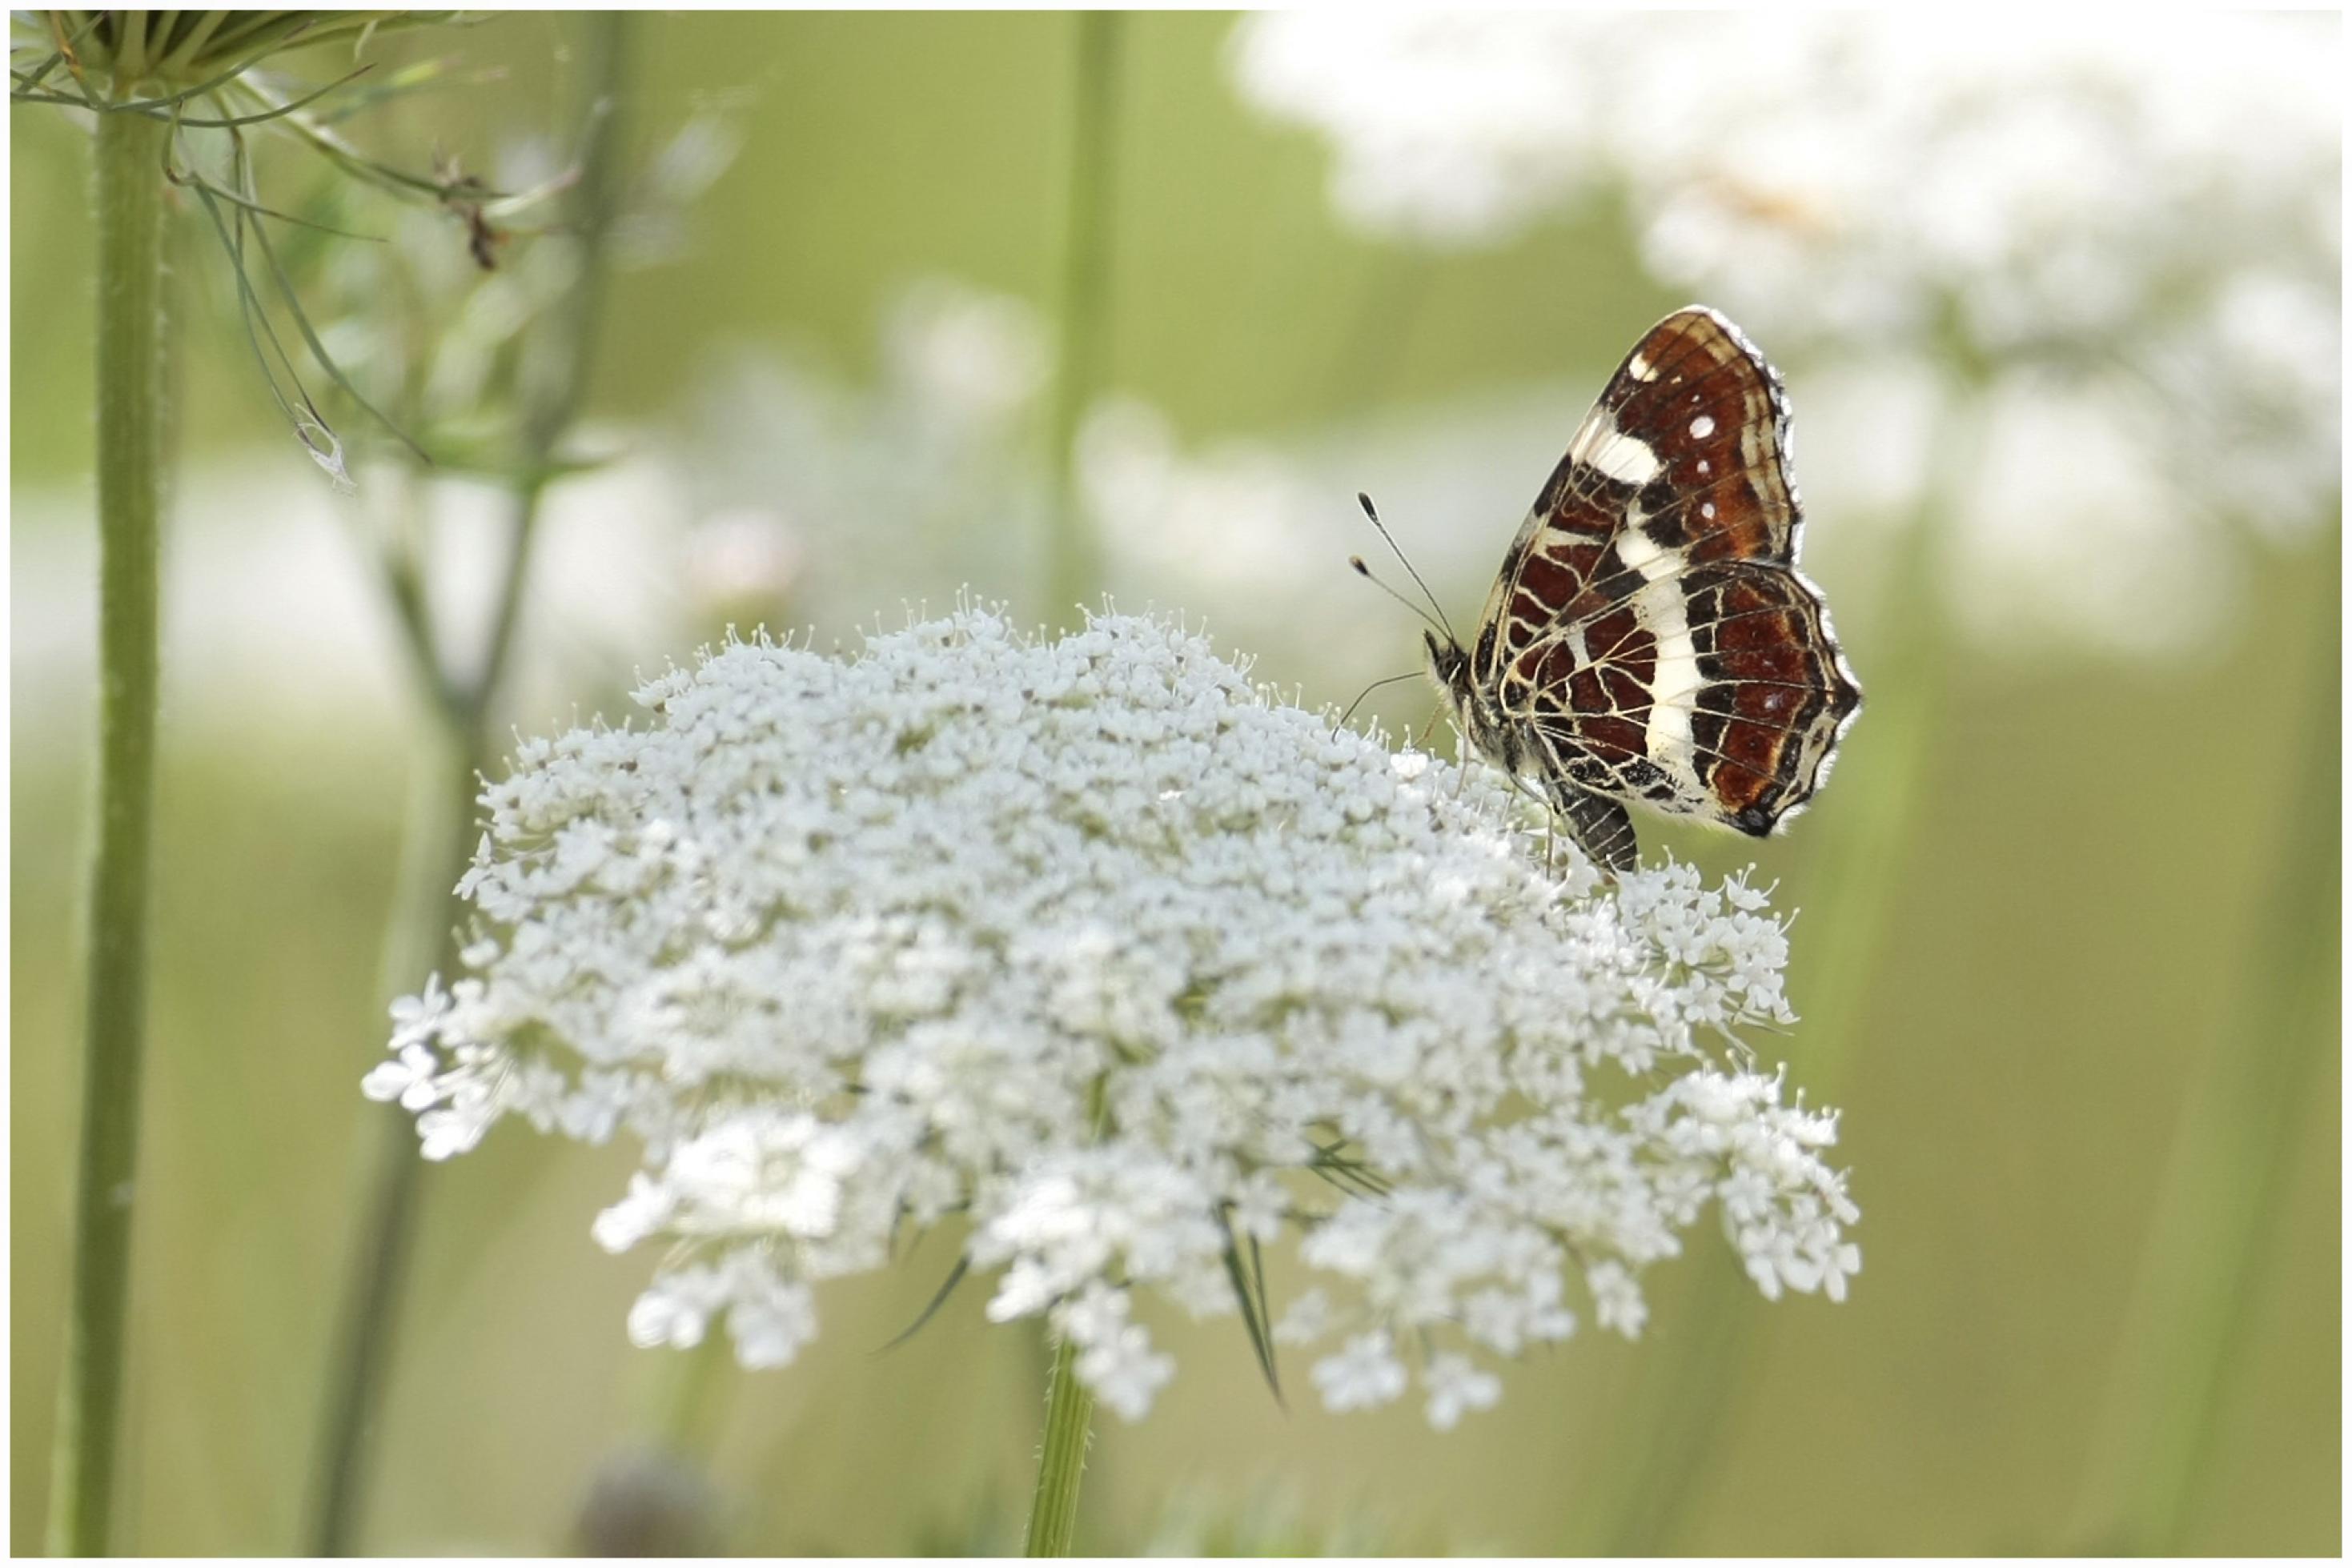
column 2049, row 180
column 2133, row 568
column 964, row 355
column 743, row 557
column 652, row 224
column 789, row 464
column 1456, row 1386
column 871, row 494
column 2144, row 221
column 1362, row 1374
column 1094, row 946
column 274, row 624
column 1449, row 127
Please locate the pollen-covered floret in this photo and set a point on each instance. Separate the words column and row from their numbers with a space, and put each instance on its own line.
column 1135, row 969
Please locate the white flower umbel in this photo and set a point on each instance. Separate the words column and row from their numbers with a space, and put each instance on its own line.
column 1133, row 969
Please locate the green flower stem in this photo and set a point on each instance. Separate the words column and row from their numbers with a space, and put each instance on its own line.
column 688, row 1405
column 421, row 938
column 2187, row 1326
column 1683, row 1404
column 1069, row 1413
column 130, row 422
column 1074, row 560
column 1062, row 1458
column 441, row 832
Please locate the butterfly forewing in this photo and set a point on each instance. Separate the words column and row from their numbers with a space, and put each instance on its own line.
column 1649, row 638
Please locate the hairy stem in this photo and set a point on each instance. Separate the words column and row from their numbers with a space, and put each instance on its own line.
column 1074, row 563
column 1061, row 1459
column 441, row 830
column 131, row 422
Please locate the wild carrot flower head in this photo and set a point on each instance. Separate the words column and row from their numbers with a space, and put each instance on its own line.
column 1135, row 969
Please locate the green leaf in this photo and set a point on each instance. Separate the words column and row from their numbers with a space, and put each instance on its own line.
column 939, row 1300
column 319, row 350
column 1249, row 1292
column 275, row 112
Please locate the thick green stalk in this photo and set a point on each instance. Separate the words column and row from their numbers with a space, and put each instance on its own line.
column 1074, row 560
column 441, row 830
column 2216, row 1212
column 1061, row 1459
column 131, row 418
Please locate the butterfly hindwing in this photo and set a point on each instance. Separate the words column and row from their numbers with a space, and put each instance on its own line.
column 1649, row 638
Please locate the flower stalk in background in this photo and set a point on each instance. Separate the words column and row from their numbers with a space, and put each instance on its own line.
column 2151, row 1473
column 145, row 77
column 1073, row 564
column 460, row 700
column 1133, row 971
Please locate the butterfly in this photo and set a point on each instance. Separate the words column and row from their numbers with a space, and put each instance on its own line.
column 1650, row 639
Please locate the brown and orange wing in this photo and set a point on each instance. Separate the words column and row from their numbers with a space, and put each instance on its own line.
column 1650, row 627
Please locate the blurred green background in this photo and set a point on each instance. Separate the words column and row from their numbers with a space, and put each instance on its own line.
column 2092, row 946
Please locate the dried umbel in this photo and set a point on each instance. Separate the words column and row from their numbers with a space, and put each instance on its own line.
column 199, row 49
column 1131, row 969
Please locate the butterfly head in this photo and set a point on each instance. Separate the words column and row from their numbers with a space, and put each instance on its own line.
column 1449, row 660
column 1450, row 668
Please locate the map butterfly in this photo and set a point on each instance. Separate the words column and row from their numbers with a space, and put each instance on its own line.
column 1650, row 639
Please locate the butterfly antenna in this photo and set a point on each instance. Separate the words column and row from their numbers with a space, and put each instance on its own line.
column 1367, row 691
column 1365, row 572
column 1365, row 501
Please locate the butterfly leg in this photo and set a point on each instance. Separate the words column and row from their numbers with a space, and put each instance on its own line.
column 1600, row 826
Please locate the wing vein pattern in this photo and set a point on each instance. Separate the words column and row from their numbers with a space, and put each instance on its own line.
column 1650, row 639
